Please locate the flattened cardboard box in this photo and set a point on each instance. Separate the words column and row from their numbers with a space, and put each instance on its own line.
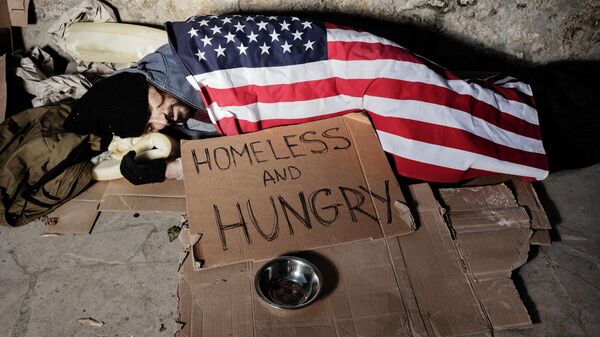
column 122, row 196
column 79, row 215
column 305, row 186
column 527, row 197
column 412, row 285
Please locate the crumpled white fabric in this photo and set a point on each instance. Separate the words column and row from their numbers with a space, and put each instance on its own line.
column 37, row 70
column 37, row 73
column 85, row 11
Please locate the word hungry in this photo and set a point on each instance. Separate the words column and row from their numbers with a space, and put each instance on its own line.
column 323, row 207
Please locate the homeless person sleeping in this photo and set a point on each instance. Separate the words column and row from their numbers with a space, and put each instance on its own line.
column 254, row 73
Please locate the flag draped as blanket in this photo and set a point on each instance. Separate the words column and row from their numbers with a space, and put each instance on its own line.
column 257, row 72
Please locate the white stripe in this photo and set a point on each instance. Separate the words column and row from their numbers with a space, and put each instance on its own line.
column 369, row 69
column 345, row 35
column 452, row 158
column 445, row 116
column 193, row 82
column 504, row 80
column 518, row 85
column 288, row 110
column 522, row 87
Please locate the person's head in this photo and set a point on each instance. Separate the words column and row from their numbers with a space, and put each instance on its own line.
column 125, row 105
column 165, row 109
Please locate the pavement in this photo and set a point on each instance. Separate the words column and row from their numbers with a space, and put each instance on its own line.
column 125, row 274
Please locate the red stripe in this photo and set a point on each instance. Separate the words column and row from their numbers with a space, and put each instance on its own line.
column 404, row 166
column 419, row 131
column 233, row 126
column 402, row 90
column 348, row 51
column 508, row 93
column 433, row 173
column 457, row 139
column 300, row 91
column 329, row 25
column 381, row 87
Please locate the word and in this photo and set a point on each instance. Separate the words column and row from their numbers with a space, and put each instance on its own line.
column 284, row 174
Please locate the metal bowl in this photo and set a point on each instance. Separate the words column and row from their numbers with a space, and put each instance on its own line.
column 288, row 282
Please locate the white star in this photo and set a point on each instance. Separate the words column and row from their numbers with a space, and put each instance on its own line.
column 226, row 20
column 242, row 49
column 264, row 48
column 216, row 29
column 286, row 47
column 220, row 51
column 203, row 23
column 272, row 18
column 297, row 35
column 200, row 55
column 249, row 18
column 236, row 15
column 306, row 24
column 191, row 18
column 230, row 37
column 262, row 25
column 252, row 37
column 295, row 18
column 309, row 45
column 206, row 40
column 193, row 32
column 239, row 27
column 213, row 17
column 284, row 25
column 274, row 36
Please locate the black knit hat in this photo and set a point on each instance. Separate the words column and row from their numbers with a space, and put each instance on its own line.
column 117, row 105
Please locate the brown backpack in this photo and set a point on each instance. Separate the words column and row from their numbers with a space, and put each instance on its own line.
column 41, row 165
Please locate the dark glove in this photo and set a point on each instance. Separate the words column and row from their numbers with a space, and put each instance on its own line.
column 143, row 172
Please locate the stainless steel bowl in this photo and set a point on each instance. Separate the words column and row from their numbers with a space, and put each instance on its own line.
column 288, row 282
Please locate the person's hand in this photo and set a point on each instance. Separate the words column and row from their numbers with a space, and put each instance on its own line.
column 143, row 172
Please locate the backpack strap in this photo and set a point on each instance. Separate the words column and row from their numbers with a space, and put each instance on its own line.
column 74, row 157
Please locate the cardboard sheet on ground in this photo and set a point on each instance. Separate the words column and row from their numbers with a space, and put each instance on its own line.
column 526, row 197
column 258, row 195
column 79, row 215
column 122, row 196
column 411, row 285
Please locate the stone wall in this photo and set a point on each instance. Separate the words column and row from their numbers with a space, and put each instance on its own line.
column 460, row 34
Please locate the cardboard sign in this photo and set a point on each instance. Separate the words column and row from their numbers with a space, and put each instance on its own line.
column 259, row 195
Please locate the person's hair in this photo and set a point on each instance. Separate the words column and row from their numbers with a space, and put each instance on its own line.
column 185, row 110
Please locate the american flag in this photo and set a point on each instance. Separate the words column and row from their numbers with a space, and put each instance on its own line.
column 256, row 72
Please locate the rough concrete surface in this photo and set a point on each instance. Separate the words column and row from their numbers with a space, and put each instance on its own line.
column 125, row 273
